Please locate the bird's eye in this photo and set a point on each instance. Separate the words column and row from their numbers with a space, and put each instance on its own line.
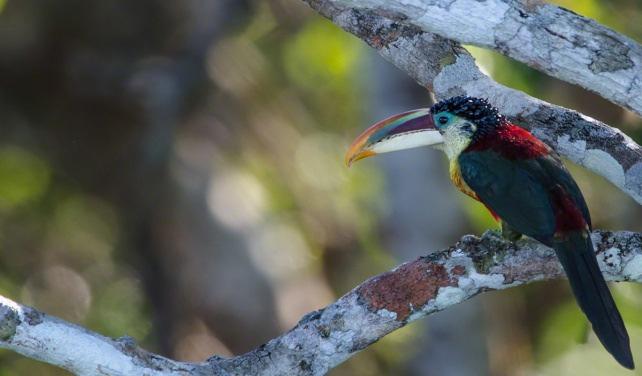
column 443, row 120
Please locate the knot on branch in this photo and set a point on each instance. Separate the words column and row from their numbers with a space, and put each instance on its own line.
column 9, row 322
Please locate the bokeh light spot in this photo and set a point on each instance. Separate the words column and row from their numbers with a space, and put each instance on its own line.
column 119, row 309
column 236, row 199
column 320, row 54
column 199, row 343
column 59, row 291
column 300, row 296
column 85, row 227
column 280, row 251
column 24, row 177
column 318, row 161
column 236, row 65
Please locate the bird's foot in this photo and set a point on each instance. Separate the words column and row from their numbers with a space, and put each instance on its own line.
column 509, row 233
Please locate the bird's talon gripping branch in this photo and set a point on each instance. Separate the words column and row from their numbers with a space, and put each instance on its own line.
column 510, row 233
column 522, row 181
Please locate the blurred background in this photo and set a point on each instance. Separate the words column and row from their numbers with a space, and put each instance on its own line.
column 172, row 171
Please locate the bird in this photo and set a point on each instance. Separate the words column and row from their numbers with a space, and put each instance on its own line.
column 523, row 183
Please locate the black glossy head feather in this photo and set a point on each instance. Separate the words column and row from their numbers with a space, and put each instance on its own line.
column 477, row 110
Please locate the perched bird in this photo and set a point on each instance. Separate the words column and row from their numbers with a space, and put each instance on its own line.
column 522, row 181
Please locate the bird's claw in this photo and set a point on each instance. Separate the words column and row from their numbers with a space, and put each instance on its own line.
column 509, row 233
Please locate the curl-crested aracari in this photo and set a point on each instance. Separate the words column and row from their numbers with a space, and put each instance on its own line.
column 522, row 181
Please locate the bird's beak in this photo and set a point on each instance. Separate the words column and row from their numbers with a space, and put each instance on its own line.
column 407, row 130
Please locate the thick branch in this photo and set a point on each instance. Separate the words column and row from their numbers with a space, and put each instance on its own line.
column 447, row 69
column 544, row 36
column 49, row 339
column 325, row 338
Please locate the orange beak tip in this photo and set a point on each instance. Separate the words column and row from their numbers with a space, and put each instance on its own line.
column 347, row 160
column 353, row 157
column 360, row 147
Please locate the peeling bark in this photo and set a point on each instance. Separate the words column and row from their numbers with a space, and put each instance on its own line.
column 411, row 285
column 444, row 67
column 325, row 338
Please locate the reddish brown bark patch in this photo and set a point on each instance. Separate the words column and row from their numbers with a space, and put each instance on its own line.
column 529, row 271
column 410, row 285
column 458, row 270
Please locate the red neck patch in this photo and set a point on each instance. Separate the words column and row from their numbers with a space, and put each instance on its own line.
column 511, row 141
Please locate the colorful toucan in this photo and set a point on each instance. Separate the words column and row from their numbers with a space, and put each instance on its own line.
column 522, row 182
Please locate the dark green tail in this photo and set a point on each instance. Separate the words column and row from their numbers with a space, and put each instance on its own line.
column 578, row 259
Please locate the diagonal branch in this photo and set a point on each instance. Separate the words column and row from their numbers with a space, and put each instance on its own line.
column 447, row 69
column 546, row 37
column 325, row 338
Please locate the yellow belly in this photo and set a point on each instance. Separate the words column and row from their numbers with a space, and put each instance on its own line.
column 455, row 176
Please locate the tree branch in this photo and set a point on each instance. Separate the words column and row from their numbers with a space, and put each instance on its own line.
column 325, row 338
column 546, row 37
column 54, row 341
column 447, row 69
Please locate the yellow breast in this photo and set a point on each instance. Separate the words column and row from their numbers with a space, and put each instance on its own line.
column 455, row 176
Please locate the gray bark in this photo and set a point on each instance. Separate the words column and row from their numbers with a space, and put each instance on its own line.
column 546, row 37
column 325, row 338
